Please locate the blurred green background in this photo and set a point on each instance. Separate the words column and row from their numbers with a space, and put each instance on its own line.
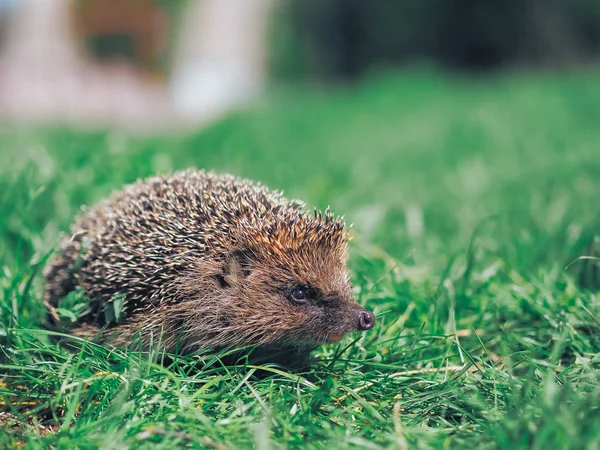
column 344, row 39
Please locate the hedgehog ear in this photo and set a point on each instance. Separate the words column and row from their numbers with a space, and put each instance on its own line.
column 236, row 268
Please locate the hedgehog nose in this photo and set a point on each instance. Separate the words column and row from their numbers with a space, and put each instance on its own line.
column 366, row 320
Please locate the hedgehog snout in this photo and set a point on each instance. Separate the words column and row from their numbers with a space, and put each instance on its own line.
column 357, row 319
column 366, row 320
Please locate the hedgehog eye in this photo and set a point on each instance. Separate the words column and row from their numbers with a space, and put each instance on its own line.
column 300, row 293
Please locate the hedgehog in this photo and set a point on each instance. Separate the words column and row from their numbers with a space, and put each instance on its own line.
column 198, row 260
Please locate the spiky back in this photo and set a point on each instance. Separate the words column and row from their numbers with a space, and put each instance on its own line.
column 142, row 239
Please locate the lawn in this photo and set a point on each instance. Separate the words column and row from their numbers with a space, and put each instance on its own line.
column 472, row 201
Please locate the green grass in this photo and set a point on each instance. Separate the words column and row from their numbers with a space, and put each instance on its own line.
column 468, row 199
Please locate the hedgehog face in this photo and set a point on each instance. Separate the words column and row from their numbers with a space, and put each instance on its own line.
column 299, row 295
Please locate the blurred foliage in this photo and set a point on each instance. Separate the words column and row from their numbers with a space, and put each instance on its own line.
column 341, row 39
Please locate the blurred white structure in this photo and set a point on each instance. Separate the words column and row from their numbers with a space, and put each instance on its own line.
column 46, row 76
column 223, row 64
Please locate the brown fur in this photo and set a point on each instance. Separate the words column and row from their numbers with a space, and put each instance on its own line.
column 207, row 261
